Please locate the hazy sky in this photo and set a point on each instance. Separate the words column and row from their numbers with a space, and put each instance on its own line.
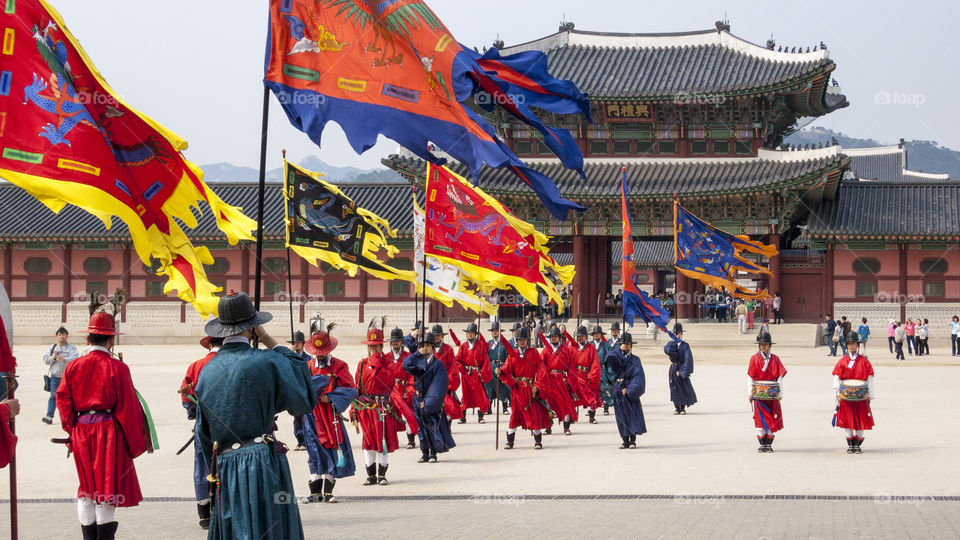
column 196, row 66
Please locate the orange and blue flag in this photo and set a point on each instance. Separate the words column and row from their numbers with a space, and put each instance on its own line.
column 390, row 67
column 714, row 257
column 636, row 302
column 67, row 138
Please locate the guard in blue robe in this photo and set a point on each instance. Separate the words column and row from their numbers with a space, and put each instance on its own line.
column 629, row 385
column 329, row 463
column 681, row 368
column 410, row 340
column 298, row 340
column 606, row 377
column 497, row 354
column 239, row 394
column 430, row 383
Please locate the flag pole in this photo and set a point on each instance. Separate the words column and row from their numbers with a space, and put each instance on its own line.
column 14, row 519
column 496, row 404
column 258, row 276
column 289, row 270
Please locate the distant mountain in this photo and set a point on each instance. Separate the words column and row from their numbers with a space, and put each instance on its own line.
column 922, row 156
column 226, row 172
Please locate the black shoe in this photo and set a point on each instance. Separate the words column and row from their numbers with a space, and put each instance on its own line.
column 593, row 416
column 537, row 442
column 107, row 531
column 626, row 443
column 633, row 441
column 328, row 491
column 433, row 459
column 510, row 439
column 480, row 418
column 47, row 420
column 566, row 429
column 856, row 445
column 549, row 431
column 300, row 447
column 606, row 410
column 203, row 510
column 89, row 531
column 371, row 475
column 316, row 491
column 769, row 443
column 850, row 449
column 462, row 420
column 423, row 459
column 382, row 475
column 410, row 441
column 763, row 445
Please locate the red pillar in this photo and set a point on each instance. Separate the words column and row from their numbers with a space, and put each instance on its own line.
column 126, row 282
column 363, row 292
column 684, row 295
column 245, row 270
column 775, row 265
column 67, row 279
column 828, row 273
column 304, row 288
column 580, row 263
column 902, row 293
column 7, row 267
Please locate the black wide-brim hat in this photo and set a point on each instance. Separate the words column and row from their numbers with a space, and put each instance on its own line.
column 236, row 315
column 852, row 337
column 298, row 337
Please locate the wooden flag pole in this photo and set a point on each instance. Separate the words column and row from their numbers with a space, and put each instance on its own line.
column 10, row 381
column 258, row 272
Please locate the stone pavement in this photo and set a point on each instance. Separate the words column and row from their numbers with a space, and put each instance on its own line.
column 695, row 462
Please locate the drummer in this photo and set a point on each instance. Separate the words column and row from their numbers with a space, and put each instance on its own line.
column 853, row 416
column 766, row 367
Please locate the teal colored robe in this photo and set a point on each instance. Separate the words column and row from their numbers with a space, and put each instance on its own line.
column 239, row 393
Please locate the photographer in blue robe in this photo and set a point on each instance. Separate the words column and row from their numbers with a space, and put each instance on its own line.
column 239, row 394
column 629, row 384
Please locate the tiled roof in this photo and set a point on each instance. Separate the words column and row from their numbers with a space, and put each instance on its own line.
column 33, row 221
column 656, row 177
column 645, row 253
column 672, row 66
column 886, row 164
column 866, row 209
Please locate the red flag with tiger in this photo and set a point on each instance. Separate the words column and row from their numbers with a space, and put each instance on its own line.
column 67, row 138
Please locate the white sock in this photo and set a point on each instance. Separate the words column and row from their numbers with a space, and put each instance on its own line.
column 105, row 513
column 369, row 457
column 860, row 433
column 204, row 501
column 760, row 432
column 326, row 476
column 566, row 418
column 409, row 431
column 383, row 459
column 511, row 431
column 848, row 433
column 86, row 511
column 314, row 477
column 536, row 432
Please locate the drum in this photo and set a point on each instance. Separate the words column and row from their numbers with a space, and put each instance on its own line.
column 765, row 390
column 854, row 390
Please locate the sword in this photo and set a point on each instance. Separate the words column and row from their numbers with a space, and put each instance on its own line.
column 64, row 441
column 185, row 445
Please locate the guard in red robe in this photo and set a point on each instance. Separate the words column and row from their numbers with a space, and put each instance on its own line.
column 767, row 416
column 188, row 398
column 474, row 373
column 854, row 417
column 446, row 354
column 100, row 411
column 587, row 364
column 403, row 391
column 525, row 374
column 9, row 407
column 329, row 455
column 374, row 410
column 561, row 383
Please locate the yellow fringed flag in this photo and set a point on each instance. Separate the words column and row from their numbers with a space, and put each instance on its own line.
column 471, row 230
column 324, row 224
column 67, row 138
